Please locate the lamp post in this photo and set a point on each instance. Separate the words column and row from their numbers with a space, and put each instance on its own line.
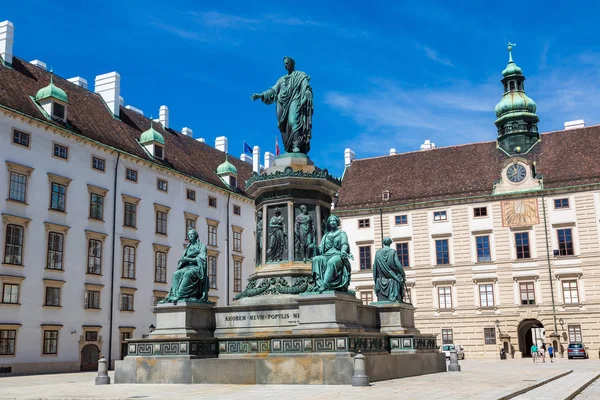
column 151, row 328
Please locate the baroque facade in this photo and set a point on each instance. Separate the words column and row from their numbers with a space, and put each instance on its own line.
column 96, row 200
column 499, row 240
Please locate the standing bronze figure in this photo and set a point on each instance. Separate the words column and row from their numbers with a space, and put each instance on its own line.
column 277, row 237
column 304, row 234
column 259, row 237
column 388, row 274
column 294, row 99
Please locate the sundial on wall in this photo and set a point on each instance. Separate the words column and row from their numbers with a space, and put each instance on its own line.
column 522, row 212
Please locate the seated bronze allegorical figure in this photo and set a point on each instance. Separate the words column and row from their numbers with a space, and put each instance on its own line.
column 331, row 267
column 190, row 280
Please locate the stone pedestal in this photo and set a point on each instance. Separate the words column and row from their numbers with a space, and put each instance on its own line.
column 183, row 320
column 396, row 318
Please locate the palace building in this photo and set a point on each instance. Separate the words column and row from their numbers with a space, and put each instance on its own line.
column 96, row 201
column 499, row 240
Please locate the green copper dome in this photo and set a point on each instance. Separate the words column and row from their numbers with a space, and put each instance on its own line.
column 226, row 168
column 152, row 135
column 51, row 91
column 515, row 101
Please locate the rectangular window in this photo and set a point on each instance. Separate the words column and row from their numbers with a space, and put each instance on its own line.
column 58, row 111
column 442, row 254
column 212, row 235
column 212, row 201
column 18, row 187
column 486, row 295
column 447, row 336
column 161, row 222
column 440, row 216
column 61, row 151
column 126, row 302
column 480, row 212
column 91, row 299
column 91, row 336
column 237, row 276
column 96, row 206
column 55, row 250
column 128, row 262
column 483, row 248
column 13, row 248
column 124, row 337
column 98, row 163
column 21, row 138
column 156, row 299
column 561, row 203
column 212, row 272
column 189, row 224
column 7, row 342
column 160, row 267
column 52, row 297
column 94, row 257
column 58, row 197
column 401, row 219
column 131, row 175
column 570, row 292
column 10, row 293
column 130, row 215
column 489, row 335
column 191, row 195
column 158, row 151
column 402, row 251
column 527, row 293
column 364, row 223
column 565, row 242
column 365, row 257
column 407, row 298
column 237, row 210
column 237, row 241
column 161, row 185
column 50, row 342
column 366, row 297
column 445, row 297
column 522, row 245
column 575, row 334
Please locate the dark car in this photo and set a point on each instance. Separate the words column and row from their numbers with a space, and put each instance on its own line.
column 577, row 350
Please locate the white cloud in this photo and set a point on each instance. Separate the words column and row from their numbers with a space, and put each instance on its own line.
column 434, row 56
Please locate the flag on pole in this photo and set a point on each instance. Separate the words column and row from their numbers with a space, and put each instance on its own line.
column 276, row 147
column 247, row 148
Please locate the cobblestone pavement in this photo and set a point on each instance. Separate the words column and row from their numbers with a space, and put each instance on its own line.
column 591, row 392
column 479, row 379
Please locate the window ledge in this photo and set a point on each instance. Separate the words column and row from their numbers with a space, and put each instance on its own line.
column 17, row 202
column 129, row 279
column 161, row 234
column 134, row 228
column 57, row 211
column 7, row 355
column 484, row 309
column 96, row 219
column 54, row 270
column 13, row 265
column 446, row 310
column 47, row 306
column 10, row 304
column 91, row 309
column 572, row 305
column 127, row 311
column 162, row 283
column 92, row 274
column 50, row 355
column 529, row 305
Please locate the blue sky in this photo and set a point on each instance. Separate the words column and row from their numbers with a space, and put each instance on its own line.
column 386, row 74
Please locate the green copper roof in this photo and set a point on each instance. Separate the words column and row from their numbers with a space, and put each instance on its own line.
column 51, row 91
column 226, row 168
column 152, row 135
column 511, row 68
column 515, row 101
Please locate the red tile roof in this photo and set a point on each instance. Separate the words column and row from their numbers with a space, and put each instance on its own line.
column 88, row 116
column 564, row 158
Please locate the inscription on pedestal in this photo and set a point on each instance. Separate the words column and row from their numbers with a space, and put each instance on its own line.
column 257, row 318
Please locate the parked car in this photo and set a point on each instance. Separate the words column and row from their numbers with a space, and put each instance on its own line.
column 446, row 348
column 577, row 350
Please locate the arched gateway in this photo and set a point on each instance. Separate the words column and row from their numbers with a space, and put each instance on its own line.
column 90, row 355
column 530, row 331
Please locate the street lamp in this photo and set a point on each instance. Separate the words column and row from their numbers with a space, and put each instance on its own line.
column 562, row 323
column 498, row 324
column 151, row 328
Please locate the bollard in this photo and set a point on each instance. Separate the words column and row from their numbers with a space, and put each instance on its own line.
column 102, row 378
column 360, row 377
column 453, row 362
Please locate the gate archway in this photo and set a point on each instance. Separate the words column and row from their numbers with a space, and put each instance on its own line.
column 530, row 331
column 90, row 354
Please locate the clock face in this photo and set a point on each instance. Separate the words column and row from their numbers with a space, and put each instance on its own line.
column 516, row 173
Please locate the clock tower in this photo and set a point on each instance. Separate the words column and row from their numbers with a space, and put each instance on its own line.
column 517, row 120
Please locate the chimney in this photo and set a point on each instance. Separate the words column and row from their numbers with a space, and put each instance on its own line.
column 221, row 143
column 246, row 158
column 109, row 86
column 121, row 101
column 79, row 81
column 256, row 159
column 349, row 156
column 163, row 116
column 134, row 109
column 201, row 140
column 7, row 37
column 39, row 64
column 187, row 131
column 427, row 145
column 574, row 124
column 393, row 151
column 269, row 159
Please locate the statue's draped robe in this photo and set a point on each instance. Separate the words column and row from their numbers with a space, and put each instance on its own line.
column 294, row 99
column 334, row 256
column 259, row 239
column 388, row 275
column 276, row 239
column 190, row 281
column 304, row 231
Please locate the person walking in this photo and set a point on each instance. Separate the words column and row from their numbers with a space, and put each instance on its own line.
column 543, row 352
column 534, row 352
column 551, row 352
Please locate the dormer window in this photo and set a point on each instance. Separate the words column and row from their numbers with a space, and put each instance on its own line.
column 228, row 173
column 53, row 100
column 158, row 151
column 153, row 142
column 232, row 181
